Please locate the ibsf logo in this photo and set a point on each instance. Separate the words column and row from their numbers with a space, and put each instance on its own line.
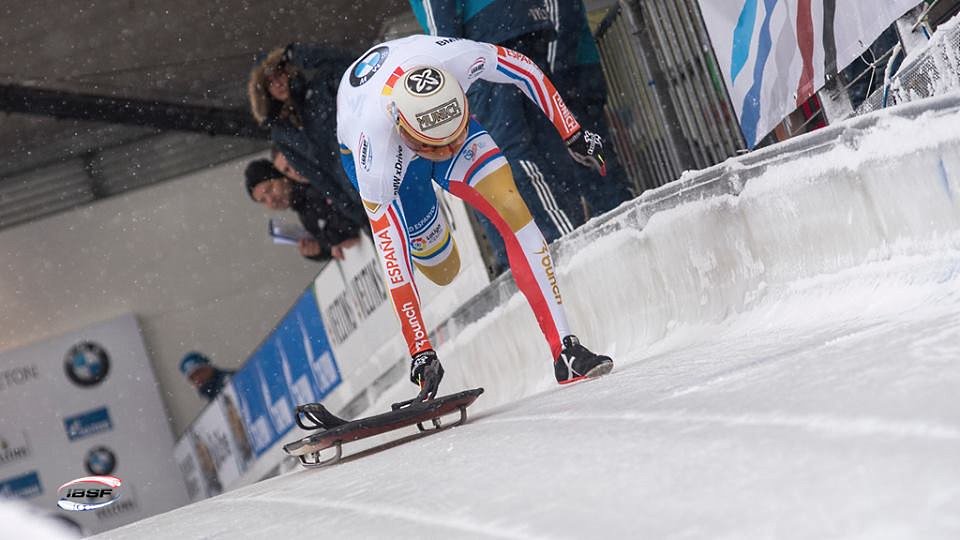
column 476, row 68
column 89, row 493
column 366, row 154
column 86, row 364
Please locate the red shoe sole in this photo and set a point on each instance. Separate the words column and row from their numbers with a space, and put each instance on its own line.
column 597, row 371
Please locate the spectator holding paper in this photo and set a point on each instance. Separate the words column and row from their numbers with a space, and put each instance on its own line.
column 326, row 231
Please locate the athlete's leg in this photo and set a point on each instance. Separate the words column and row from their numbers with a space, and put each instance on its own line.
column 432, row 246
column 530, row 144
column 480, row 175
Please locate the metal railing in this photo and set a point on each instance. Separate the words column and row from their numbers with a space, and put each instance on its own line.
column 933, row 72
column 668, row 107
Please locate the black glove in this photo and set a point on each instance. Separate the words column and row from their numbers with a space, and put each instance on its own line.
column 586, row 148
column 426, row 372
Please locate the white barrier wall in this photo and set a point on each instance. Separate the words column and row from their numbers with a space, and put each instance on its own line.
column 717, row 241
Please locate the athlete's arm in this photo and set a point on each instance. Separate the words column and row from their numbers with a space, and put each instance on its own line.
column 512, row 67
column 390, row 239
column 517, row 69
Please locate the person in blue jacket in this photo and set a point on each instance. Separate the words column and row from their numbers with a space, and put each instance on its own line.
column 574, row 66
column 208, row 379
column 293, row 91
column 521, row 131
column 556, row 36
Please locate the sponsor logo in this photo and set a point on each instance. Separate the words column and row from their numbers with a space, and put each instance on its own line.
column 366, row 154
column 368, row 66
column 547, row 263
column 100, row 461
column 86, row 364
column 438, row 116
column 446, row 41
column 425, row 221
column 434, row 236
column 88, row 423
column 476, row 68
column 539, row 14
column 471, row 152
column 569, row 121
column 398, row 170
column 24, row 486
column 89, row 493
column 372, row 207
column 18, row 376
column 412, row 316
column 394, row 272
column 237, row 430
column 121, row 506
column 510, row 53
column 424, row 81
column 15, row 451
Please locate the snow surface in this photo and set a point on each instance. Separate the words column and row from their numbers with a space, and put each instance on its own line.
column 788, row 365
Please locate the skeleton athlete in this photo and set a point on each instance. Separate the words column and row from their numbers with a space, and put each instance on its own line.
column 403, row 119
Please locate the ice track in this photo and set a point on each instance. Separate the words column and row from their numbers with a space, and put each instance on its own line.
column 788, row 367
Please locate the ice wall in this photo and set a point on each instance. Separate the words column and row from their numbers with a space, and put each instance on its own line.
column 719, row 241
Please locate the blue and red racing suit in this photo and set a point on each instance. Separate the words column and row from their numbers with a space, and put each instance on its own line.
column 395, row 184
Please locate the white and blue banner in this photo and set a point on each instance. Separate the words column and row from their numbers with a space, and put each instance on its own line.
column 293, row 365
column 774, row 54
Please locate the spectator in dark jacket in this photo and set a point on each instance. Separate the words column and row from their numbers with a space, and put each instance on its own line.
column 208, row 379
column 559, row 195
column 574, row 67
column 330, row 231
column 293, row 91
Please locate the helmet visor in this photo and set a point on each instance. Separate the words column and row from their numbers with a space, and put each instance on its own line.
column 429, row 151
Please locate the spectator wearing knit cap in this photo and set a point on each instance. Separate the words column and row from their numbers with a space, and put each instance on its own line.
column 208, row 379
column 330, row 230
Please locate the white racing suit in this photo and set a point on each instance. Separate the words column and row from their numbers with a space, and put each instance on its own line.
column 396, row 189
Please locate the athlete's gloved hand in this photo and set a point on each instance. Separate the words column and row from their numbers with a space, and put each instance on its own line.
column 426, row 372
column 586, row 148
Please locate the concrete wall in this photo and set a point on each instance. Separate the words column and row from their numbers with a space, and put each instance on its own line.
column 189, row 257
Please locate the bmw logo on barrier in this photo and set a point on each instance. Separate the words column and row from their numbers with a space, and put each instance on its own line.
column 86, row 364
column 89, row 493
column 368, row 66
column 100, row 461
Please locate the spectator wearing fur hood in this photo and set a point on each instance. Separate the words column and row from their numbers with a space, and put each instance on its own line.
column 293, row 91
